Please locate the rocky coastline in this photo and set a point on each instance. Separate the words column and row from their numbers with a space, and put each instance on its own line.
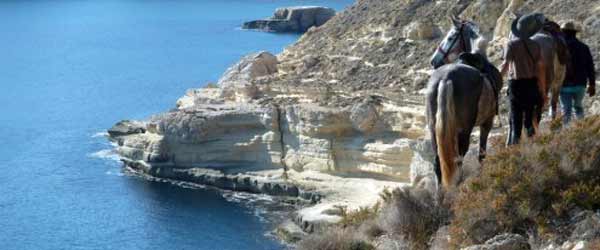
column 336, row 119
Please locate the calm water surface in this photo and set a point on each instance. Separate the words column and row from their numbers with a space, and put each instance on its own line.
column 71, row 69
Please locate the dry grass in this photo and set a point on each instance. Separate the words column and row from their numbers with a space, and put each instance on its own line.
column 528, row 188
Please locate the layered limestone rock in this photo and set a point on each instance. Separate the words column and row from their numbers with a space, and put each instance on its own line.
column 338, row 114
column 366, row 137
column 224, row 136
column 293, row 19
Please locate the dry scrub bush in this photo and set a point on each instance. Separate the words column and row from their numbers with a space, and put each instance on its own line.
column 334, row 238
column 531, row 187
column 413, row 214
column 409, row 213
column 359, row 216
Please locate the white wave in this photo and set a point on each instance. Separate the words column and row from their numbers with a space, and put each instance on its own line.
column 100, row 134
column 116, row 173
column 109, row 154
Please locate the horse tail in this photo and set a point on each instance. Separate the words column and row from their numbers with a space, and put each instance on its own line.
column 445, row 131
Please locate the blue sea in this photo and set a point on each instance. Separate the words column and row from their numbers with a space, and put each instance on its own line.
column 71, row 69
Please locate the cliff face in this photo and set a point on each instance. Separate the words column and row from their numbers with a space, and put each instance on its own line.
column 345, row 99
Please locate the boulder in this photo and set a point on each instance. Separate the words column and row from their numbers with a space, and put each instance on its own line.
column 289, row 232
column 587, row 226
column 422, row 163
column 391, row 242
column 421, row 31
column 127, row 127
column 293, row 19
column 364, row 115
column 237, row 82
column 441, row 239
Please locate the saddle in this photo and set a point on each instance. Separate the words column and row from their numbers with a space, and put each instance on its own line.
column 487, row 70
column 474, row 60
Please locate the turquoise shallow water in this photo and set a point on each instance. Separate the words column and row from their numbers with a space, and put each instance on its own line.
column 71, row 69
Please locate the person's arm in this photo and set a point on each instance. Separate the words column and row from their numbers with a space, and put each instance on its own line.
column 591, row 73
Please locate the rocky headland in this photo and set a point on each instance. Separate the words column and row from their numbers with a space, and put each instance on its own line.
column 292, row 19
column 336, row 119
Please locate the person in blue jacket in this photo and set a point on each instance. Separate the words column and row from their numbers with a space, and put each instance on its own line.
column 580, row 71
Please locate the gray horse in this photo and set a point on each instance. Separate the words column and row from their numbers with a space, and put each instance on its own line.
column 460, row 96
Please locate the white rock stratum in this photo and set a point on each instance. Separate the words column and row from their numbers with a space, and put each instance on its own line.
column 245, row 136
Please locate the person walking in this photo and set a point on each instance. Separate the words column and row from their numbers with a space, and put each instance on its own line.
column 522, row 62
column 580, row 70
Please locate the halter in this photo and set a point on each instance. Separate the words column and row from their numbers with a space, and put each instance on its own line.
column 460, row 37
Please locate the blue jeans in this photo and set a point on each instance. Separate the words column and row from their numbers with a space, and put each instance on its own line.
column 572, row 98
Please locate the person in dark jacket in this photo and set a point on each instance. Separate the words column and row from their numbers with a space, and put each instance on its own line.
column 580, row 71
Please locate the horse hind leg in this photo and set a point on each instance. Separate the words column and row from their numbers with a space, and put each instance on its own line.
column 464, row 139
column 484, row 132
column 436, row 165
column 554, row 103
column 559, row 77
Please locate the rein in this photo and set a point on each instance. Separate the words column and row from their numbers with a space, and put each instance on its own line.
column 451, row 48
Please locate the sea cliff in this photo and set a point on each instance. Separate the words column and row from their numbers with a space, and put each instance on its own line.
column 337, row 118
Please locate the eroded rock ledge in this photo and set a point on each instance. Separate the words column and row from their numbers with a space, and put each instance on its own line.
column 247, row 134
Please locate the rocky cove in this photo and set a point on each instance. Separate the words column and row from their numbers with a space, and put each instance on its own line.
column 335, row 119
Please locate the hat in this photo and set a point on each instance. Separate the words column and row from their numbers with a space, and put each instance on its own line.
column 570, row 25
column 527, row 25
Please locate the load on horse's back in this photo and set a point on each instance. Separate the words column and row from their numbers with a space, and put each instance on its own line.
column 460, row 96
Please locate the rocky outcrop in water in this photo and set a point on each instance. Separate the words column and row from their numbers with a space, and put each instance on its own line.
column 293, row 19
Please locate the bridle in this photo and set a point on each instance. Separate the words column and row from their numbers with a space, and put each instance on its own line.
column 452, row 48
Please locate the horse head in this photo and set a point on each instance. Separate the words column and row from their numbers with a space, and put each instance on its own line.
column 462, row 37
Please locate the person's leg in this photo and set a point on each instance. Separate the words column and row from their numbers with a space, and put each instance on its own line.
column 566, row 103
column 578, row 103
column 530, row 112
column 516, row 122
column 532, row 107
